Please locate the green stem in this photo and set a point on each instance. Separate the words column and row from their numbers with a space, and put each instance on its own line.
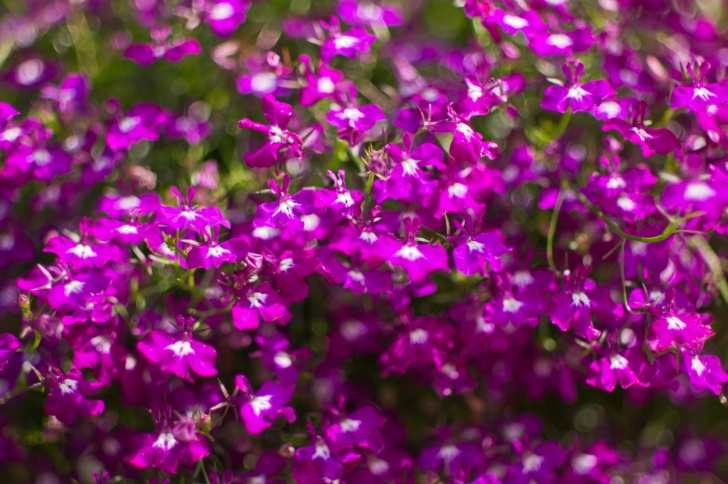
column 552, row 231
column 669, row 230
column 713, row 262
column 621, row 273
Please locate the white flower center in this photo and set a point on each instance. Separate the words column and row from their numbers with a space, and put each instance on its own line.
column 618, row 362
column 515, row 21
column 349, row 425
column 127, row 229
column 264, row 82
column 675, row 323
column 699, row 192
column 29, row 71
column 282, row 359
column 260, row 404
column 345, row 199
column 410, row 252
column 285, row 264
column 181, row 348
column 584, row 463
column 448, row 452
column 357, row 276
column 418, row 336
column 532, row 463
column 579, row 298
column 626, row 204
column 128, row 123
column 643, row 135
column 286, row 207
column 378, row 466
column 511, row 305
column 222, row 11
column 702, row 93
column 322, row 451
column 616, row 182
column 68, row 386
column 457, row 190
column 128, row 203
column 697, row 365
column 345, row 41
column 409, row 167
column 325, row 85
column 257, row 298
column 217, row 251
column 577, row 93
column 560, row 40
column 369, row 237
column 40, row 157
column 165, row 441
column 82, row 251
column 475, row 246
column 522, row 279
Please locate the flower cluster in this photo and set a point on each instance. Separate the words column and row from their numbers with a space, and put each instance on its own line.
column 363, row 242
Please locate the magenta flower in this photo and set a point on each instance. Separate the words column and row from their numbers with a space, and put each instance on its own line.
column 288, row 210
column 574, row 306
column 355, row 41
column 279, row 140
column 705, row 372
column 353, row 121
column 625, row 368
column 166, row 449
column 473, row 254
column 224, row 16
column 697, row 96
column 259, row 302
column 189, row 216
column 574, row 95
column 259, row 409
column 141, row 122
column 179, row 354
column 652, row 140
column 67, row 396
column 418, row 260
column 163, row 47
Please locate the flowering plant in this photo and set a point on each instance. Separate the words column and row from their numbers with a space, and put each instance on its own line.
column 362, row 241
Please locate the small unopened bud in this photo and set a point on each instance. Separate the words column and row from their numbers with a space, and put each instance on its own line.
column 287, row 450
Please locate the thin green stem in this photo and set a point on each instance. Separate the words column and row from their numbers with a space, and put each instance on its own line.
column 621, row 273
column 552, row 231
column 712, row 260
column 669, row 230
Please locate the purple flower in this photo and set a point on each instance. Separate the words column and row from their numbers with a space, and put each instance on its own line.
column 189, row 216
column 279, row 140
column 626, row 368
column 67, row 397
column 165, row 450
column 652, row 140
column 224, row 16
column 471, row 254
column 141, row 122
column 679, row 330
column 574, row 95
column 288, row 210
column 705, row 372
column 369, row 13
column 259, row 409
column 356, row 40
column 180, row 353
column 574, row 306
column 353, row 121
column 260, row 302
column 698, row 96
column 171, row 49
